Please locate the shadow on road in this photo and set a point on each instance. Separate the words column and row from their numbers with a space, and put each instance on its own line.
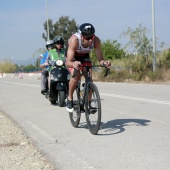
column 119, row 125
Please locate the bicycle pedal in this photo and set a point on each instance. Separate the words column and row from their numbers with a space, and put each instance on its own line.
column 92, row 110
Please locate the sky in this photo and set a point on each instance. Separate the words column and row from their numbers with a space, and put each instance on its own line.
column 21, row 22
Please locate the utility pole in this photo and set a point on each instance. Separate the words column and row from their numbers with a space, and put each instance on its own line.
column 153, row 33
column 47, row 20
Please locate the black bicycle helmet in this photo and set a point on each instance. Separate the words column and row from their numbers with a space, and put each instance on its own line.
column 59, row 39
column 87, row 29
column 49, row 43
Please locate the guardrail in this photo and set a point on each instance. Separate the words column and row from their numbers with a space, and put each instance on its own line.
column 21, row 75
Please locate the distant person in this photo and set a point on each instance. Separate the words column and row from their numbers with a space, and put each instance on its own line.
column 44, row 65
column 79, row 46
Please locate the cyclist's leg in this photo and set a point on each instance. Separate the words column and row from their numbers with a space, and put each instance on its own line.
column 90, row 91
column 73, row 82
column 86, row 61
column 72, row 85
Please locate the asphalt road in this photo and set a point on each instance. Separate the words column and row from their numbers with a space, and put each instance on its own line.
column 134, row 132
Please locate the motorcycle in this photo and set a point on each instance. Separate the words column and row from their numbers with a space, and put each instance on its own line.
column 58, row 83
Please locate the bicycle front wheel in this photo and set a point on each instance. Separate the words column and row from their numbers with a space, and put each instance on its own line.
column 76, row 114
column 93, row 108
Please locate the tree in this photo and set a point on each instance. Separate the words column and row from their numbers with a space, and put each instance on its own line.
column 111, row 50
column 38, row 52
column 140, row 43
column 51, row 30
column 29, row 68
column 63, row 27
column 37, row 63
column 36, row 56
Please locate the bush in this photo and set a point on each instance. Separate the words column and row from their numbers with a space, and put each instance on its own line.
column 116, row 76
column 134, row 68
column 7, row 67
column 164, row 59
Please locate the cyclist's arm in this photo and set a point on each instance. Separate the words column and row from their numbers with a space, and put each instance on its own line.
column 72, row 47
column 98, row 50
column 99, row 54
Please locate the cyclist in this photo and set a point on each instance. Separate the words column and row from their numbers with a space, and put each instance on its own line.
column 80, row 45
column 44, row 64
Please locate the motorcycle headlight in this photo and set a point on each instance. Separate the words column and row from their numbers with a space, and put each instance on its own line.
column 59, row 62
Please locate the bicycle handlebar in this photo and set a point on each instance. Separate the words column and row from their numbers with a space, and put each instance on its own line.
column 106, row 73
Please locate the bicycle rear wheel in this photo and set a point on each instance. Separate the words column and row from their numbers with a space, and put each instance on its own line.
column 93, row 109
column 76, row 114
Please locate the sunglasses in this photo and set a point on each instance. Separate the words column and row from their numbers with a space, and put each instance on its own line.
column 89, row 38
column 58, row 42
column 49, row 46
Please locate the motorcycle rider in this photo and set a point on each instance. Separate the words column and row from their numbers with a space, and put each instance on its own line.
column 44, row 64
column 58, row 52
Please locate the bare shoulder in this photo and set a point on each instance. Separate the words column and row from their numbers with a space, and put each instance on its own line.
column 73, row 42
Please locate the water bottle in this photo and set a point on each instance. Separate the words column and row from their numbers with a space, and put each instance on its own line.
column 81, row 93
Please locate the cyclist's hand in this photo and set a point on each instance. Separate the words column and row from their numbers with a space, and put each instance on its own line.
column 76, row 64
column 107, row 64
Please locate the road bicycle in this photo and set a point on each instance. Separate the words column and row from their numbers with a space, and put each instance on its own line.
column 86, row 99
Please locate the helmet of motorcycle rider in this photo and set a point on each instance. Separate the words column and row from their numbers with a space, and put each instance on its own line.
column 49, row 44
column 59, row 40
column 87, row 30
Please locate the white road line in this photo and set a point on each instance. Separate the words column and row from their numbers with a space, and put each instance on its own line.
column 136, row 98
column 21, row 84
column 112, row 95
column 41, row 132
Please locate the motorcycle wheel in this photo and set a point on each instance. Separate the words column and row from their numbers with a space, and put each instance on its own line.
column 61, row 100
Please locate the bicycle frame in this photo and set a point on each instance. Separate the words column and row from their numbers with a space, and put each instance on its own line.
column 91, row 105
column 87, row 81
